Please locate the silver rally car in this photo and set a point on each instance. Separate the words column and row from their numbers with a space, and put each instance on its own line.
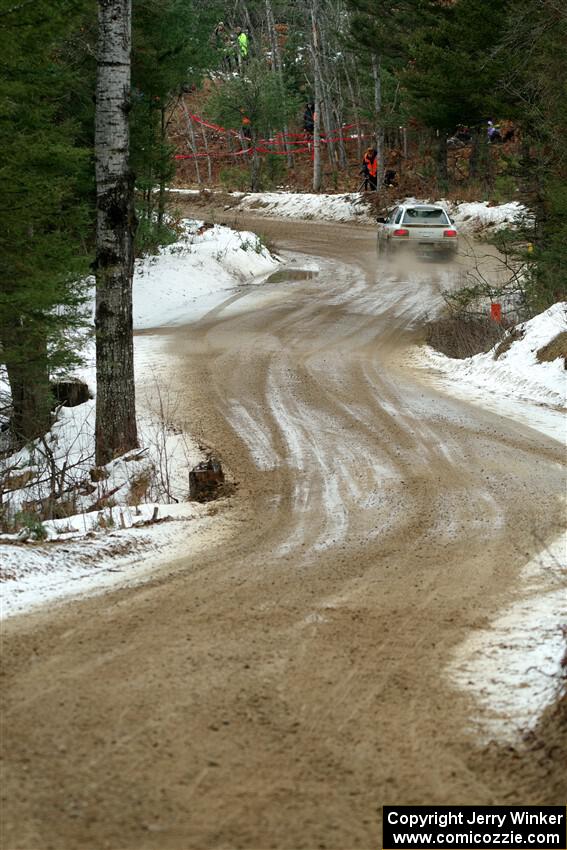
column 425, row 228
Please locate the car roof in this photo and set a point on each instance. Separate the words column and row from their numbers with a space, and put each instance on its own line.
column 424, row 206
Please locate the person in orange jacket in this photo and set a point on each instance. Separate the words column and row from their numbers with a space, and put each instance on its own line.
column 370, row 170
column 246, row 125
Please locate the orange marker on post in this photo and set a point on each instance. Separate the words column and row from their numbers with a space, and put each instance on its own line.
column 496, row 312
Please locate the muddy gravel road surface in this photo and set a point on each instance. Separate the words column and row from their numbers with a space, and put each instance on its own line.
column 278, row 686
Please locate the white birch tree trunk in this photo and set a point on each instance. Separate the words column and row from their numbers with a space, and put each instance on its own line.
column 116, row 222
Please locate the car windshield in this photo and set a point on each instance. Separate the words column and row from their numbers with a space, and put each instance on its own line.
column 421, row 216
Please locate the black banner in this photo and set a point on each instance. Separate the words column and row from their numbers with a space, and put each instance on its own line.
column 479, row 827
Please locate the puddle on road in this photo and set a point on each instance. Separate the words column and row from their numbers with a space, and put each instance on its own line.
column 284, row 275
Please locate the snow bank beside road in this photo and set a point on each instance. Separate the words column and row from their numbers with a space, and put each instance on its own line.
column 354, row 207
column 299, row 205
column 506, row 375
column 46, row 572
column 187, row 277
column 512, row 667
column 350, row 207
column 480, row 215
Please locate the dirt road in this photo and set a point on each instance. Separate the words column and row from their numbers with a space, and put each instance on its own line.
column 278, row 689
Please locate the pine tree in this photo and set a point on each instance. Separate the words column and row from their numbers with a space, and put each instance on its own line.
column 43, row 209
column 533, row 49
column 255, row 99
column 455, row 69
column 171, row 49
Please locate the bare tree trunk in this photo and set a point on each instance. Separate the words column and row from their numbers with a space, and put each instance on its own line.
column 192, row 142
column 162, row 178
column 317, row 137
column 231, row 147
column 278, row 68
column 24, row 351
column 474, row 158
column 209, row 162
column 442, row 165
column 317, row 114
column 116, row 222
column 379, row 126
column 326, row 108
column 338, row 115
column 355, row 111
column 255, row 163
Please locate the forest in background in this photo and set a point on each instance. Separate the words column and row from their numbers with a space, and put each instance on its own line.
column 410, row 68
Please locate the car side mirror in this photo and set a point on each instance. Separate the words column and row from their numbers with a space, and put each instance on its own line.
column 381, row 220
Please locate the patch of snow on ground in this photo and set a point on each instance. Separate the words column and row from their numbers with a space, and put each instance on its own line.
column 48, row 572
column 513, row 667
column 515, row 377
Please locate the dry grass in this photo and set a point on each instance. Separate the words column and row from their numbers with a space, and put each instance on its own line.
column 554, row 349
column 506, row 344
column 463, row 336
column 139, row 486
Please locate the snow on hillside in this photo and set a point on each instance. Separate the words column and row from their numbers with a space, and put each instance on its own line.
column 511, row 372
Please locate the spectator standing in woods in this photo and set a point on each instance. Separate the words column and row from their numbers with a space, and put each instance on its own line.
column 370, row 170
column 241, row 45
column 493, row 133
column 246, row 126
column 222, row 42
column 309, row 118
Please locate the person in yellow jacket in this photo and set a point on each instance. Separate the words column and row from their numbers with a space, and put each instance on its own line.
column 242, row 44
